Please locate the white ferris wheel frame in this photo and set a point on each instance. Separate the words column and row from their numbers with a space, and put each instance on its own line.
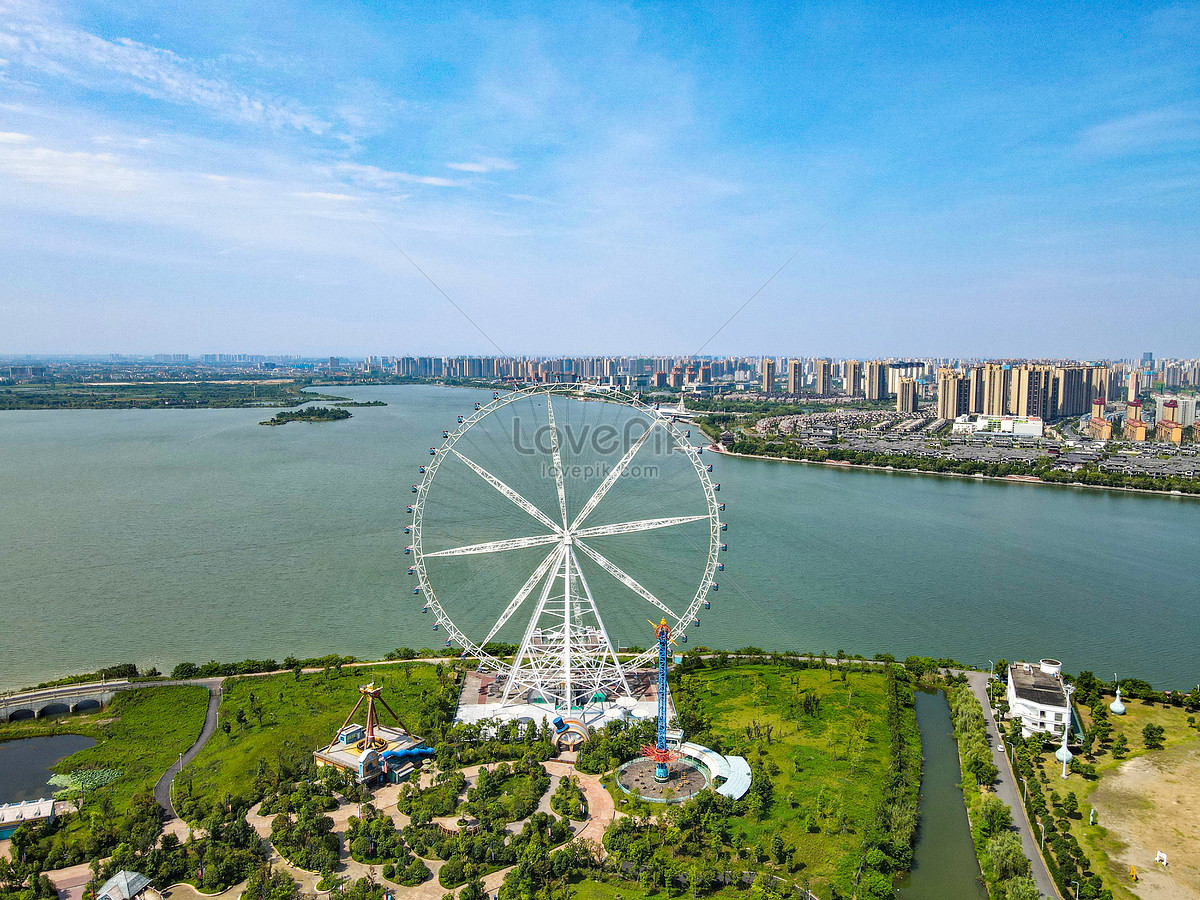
column 589, row 664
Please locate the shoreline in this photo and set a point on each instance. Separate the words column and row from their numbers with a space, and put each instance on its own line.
column 1003, row 479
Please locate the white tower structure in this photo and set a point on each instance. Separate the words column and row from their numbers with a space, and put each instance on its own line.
column 1062, row 754
column 1117, row 708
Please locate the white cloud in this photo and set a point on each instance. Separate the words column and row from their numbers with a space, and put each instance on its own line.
column 376, row 177
column 323, row 195
column 38, row 42
column 99, row 172
column 1142, row 131
column 13, row 137
column 483, row 164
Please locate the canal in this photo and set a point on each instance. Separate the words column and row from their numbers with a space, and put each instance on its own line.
column 27, row 764
column 944, row 863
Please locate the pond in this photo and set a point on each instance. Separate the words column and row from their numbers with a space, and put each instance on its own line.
column 944, row 863
column 27, row 764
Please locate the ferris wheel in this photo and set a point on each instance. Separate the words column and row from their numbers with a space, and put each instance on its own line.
column 556, row 519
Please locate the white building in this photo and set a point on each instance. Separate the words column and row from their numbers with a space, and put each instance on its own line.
column 1037, row 698
column 1020, row 426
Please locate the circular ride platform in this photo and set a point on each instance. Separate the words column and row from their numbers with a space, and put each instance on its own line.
column 637, row 777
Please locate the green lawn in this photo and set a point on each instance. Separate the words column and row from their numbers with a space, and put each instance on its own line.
column 297, row 716
column 140, row 733
column 826, row 769
column 151, row 727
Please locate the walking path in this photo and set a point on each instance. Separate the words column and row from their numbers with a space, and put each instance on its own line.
column 162, row 790
column 1007, row 788
column 71, row 881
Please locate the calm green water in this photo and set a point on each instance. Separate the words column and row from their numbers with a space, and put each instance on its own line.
column 159, row 536
column 944, row 863
column 26, row 765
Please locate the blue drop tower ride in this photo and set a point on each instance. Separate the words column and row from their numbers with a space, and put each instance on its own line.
column 659, row 752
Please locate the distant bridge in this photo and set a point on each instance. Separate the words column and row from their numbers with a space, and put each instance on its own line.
column 67, row 698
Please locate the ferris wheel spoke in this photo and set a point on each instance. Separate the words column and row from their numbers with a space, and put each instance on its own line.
column 509, row 492
column 498, row 546
column 558, row 470
column 632, row 527
column 625, row 578
column 611, row 478
column 534, row 580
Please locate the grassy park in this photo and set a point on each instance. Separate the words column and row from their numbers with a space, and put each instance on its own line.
column 268, row 726
column 822, row 738
column 139, row 735
column 1138, row 795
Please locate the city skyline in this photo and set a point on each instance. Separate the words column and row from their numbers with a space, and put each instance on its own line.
column 1019, row 183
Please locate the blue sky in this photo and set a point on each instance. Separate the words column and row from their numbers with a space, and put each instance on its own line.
column 600, row 178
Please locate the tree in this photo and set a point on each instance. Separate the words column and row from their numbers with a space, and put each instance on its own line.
column 995, row 815
column 473, row 890
column 1007, row 858
column 1120, row 747
column 1023, row 888
column 1153, row 735
column 1070, row 804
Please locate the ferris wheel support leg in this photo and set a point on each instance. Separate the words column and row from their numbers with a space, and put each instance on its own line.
column 607, row 649
column 568, row 627
column 523, row 654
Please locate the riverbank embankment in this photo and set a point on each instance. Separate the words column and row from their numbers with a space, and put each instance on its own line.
column 1005, row 479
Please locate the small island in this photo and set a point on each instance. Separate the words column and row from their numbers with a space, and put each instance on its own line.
column 361, row 403
column 308, row 414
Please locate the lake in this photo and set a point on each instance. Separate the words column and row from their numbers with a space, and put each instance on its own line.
column 156, row 536
column 26, row 764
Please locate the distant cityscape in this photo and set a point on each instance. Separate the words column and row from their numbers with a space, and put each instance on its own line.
column 1108, row 394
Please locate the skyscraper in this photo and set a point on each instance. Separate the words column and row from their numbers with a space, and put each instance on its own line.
column 795, row 376
column 996, row 380
column 876, row 381
column 954, row 393
column 851, row 376
column 1031, row 391
column 906, row 396
column 768, row 375
column 822, row 371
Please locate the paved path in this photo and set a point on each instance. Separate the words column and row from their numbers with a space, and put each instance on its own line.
column 71, row 881
column 1008, row 789
column 162, row 790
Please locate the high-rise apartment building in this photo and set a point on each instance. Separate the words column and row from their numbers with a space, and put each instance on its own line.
column 768, row 375
column 1032, row 391
column 875, row 384
column 953, row 393
column 795, row 376
column 851, row 377
column 822, row 377
column 906, row 396
column 996, row 385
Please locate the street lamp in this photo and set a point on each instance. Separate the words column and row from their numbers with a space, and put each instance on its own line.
column 1025, row 782
column 1042, row 825
column 1076, row 883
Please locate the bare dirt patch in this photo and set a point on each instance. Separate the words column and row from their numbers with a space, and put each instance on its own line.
column 1149, row 804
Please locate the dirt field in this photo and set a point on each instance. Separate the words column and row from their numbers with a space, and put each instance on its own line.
column 1149, row 804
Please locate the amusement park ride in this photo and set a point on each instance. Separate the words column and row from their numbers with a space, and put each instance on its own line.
column 373, row 752
column 566, row 662
column 659, row 752
column 372, row 695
